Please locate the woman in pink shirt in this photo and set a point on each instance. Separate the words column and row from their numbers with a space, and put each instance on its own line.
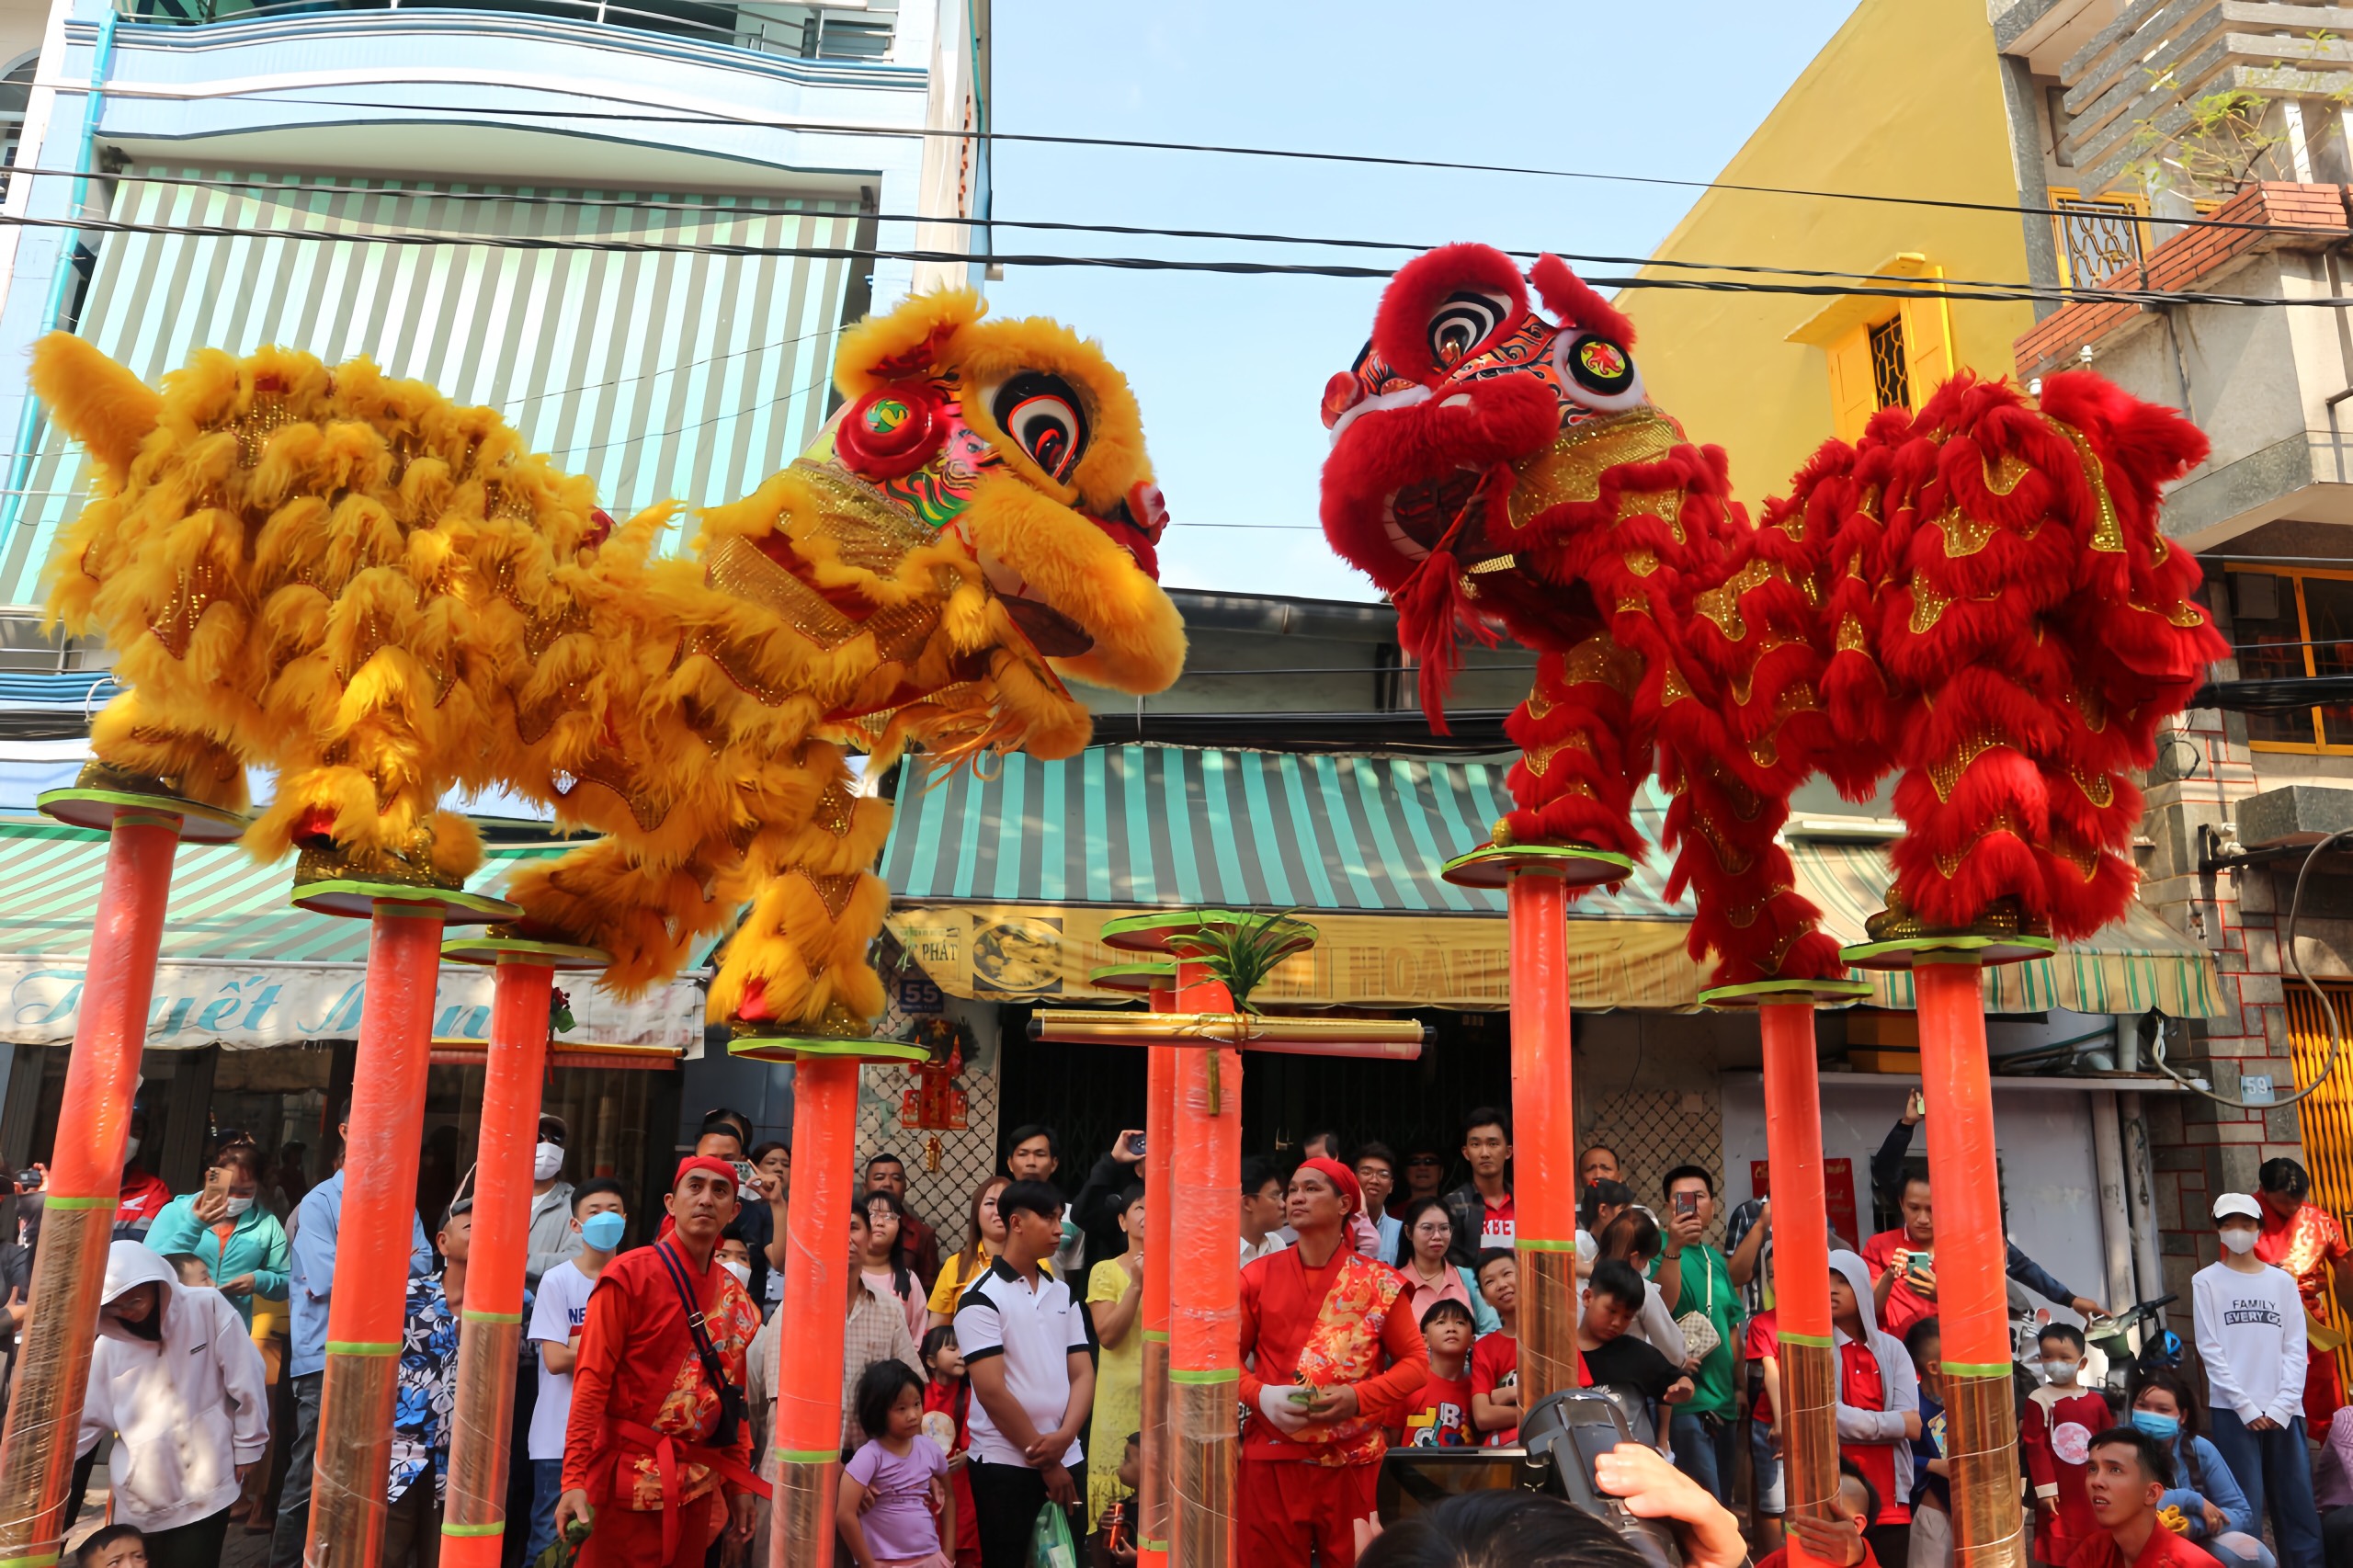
column 1426, row 1234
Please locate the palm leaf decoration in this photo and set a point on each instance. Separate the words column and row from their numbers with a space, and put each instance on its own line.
column 1243, row 952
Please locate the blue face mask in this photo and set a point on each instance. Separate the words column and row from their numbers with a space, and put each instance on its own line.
column 603, row 1231
column 2166, row 1428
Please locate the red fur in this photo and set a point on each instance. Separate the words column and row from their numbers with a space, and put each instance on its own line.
column 1574, row 303
column 1401, row 325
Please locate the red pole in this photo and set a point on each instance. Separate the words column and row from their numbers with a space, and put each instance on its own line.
column 1544, row 1185
column 1973, row 1302
column 809, row 1382
column 489, row 1334
column 1801, row 1263
column 1205, row 1287
column 1155, row 1509
column 85, row 1188
column 370, row 1302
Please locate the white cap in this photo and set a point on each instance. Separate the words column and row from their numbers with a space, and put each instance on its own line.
column 2238, row 1203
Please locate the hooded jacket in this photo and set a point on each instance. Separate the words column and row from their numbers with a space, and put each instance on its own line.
column 1898, row 1384
column 187, row 1407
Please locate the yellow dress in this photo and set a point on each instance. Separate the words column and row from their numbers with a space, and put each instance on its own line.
column 1119, row 1397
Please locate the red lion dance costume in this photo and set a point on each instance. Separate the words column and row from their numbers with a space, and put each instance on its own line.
column 1976, row 594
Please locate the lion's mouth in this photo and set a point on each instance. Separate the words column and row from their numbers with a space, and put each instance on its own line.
column 1418, row 516
column 1053, row 633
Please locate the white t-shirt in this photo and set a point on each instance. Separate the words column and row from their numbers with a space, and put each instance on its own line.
column 557, row 1312
column 1034, row 1328
column 2251, row 1338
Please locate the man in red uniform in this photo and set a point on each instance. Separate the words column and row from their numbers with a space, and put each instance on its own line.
column 2305, row 1240
column 2129, row 1474
column 143, row 1193
column 658, row 1436
column 1330, row 1355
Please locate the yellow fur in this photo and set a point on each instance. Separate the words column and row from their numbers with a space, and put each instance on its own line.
column 383, row 596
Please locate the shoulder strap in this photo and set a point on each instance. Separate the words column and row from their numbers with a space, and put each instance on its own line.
column 683, row 1282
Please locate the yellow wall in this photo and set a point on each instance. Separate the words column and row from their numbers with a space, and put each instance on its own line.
column 1906, row 99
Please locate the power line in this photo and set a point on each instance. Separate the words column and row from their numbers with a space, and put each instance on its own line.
column 1374, row 160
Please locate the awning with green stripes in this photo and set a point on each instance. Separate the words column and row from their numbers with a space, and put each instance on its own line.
column 1341, row 837
column 244, row 969
column 664, row 377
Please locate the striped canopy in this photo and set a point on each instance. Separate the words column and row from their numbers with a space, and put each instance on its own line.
column 663, row 377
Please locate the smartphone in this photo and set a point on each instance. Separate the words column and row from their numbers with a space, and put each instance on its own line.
column 216, row 1182
column 1917, row 1104
column 747, row 1183
column 1687, row 1203
column 1921, row 1266
column 1135, row 1144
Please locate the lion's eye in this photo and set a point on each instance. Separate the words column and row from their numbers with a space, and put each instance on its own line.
column 1597, row 372
column 1042, row 415
column 1461, row 323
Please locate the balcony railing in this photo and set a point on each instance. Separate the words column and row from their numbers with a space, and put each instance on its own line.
column 763, row 27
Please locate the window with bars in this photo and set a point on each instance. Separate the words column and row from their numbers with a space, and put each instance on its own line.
column 2094, row 236
column 2290, row 624
column 1891, row 371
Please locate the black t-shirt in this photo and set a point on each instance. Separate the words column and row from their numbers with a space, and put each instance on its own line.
column 1628, row 1362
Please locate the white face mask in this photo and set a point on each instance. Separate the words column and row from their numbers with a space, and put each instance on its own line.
column 743, row 1271
column 546, row 1160
column 2239, row 1239
column 237, row 1206
column 2060, row 1371
column 129, row 1150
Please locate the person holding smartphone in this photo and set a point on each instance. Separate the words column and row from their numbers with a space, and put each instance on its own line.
column 239, row 1240
column 1695, row 1279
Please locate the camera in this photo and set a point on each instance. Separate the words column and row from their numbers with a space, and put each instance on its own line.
column 1559, row 1442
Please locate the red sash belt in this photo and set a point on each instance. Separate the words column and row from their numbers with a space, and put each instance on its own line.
column 669, row 1454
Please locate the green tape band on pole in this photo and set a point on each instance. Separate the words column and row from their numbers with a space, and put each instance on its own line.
column 1157, row 1335
column 406, row 909
column 1219, row 1375
column 1524, row 1244
column 362, row 1347
column 41, row 1560
column 1974, row 1369
column 1143, row 1545
column 172, row 820
column 808, row 1456
column 469, row 1315
column 50, row 1200
column 474, row 1530
column 1821, row 1340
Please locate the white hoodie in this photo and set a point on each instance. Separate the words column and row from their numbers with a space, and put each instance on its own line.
column 1899, row 1383
column 187, row 1407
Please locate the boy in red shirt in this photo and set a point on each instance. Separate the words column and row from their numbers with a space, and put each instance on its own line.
column 1440, row 1414
column 1762, row 1346
column 2055, row 1438
column 1495, row 1360
column 1840, row 1542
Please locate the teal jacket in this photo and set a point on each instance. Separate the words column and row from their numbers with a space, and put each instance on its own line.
column 257, row 1246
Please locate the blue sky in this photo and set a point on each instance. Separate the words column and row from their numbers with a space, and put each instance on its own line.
column 1230, row 370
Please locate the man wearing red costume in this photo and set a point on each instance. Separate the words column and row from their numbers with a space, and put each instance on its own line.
column 2305, row 1240
column 1329, row 1358
column 658, row 1435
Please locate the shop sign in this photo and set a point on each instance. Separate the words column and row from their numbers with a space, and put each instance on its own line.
column 245, row 1005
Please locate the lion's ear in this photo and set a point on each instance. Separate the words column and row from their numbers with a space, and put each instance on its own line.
column 94, row 400
column 909, row 341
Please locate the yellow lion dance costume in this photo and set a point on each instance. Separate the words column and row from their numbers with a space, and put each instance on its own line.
column 382, row 596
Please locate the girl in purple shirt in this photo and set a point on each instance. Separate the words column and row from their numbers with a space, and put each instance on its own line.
column 895, row 1508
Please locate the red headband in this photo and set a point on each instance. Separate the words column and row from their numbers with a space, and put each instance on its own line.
column 710, row 1162
column 1351, row 1191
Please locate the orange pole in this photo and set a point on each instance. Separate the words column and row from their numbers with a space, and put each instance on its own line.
column 809, row 1382
column 369, row 1307
column 1154, row 1510
column 490, row 1332
column 1973, row 1305
column 85, row 1188
column 1544, row 1185
column 1205, row 1288
column 1801, row 1224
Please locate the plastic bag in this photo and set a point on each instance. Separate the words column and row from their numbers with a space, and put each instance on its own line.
column 1049, row 1545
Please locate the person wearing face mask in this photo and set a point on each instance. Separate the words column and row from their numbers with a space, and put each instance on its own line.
column 2212, row 1505
column 2250, row 1321
column 2055, row 1439
column 239, row 1240
column 554, row 1235
column 144, row 1195
column 599, row 1214
column 176, row 1379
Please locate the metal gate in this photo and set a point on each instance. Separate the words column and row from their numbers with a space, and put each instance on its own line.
column 2327, row 1120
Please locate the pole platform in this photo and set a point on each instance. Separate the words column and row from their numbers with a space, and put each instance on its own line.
column 96, row 809
column 491, row 948
column 1494, row 865
column 811, row 1048
column 1771, row 993
column 1958, row 946
column 1168, row 932
column 1140, row 979
column 356, row 898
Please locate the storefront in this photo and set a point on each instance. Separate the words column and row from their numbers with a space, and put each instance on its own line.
column 1002, row 884
column 256, row 1011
